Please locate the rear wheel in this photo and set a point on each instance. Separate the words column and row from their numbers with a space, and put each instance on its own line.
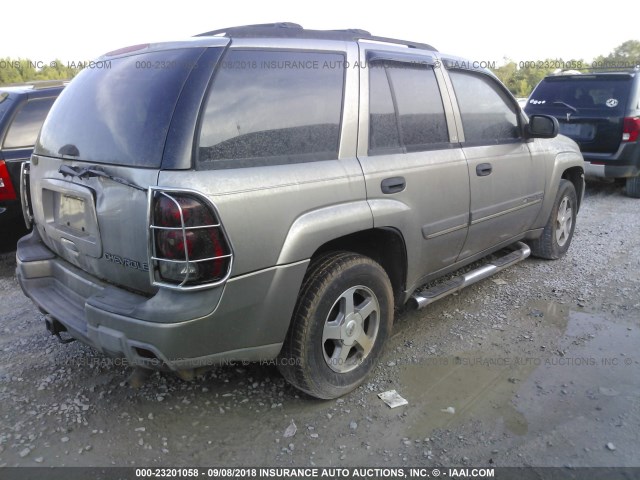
column 633, row 187
column 558, row 232
column 340, row 323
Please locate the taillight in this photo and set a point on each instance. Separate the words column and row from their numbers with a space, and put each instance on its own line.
column 189, row 248
column 631, row 129
column 25, row 194
column 7, row 192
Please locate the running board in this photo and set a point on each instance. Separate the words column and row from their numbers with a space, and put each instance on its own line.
column 430, row 295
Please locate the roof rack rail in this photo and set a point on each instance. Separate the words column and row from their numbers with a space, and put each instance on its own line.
column 38, row 84
column 293, row 30
column 238, row 31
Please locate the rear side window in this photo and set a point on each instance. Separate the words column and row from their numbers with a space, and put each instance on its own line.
column 582, row 93
column 27, row 123
column 405, row 108
column 272, row 108
column 119, row 111
column 5, row 103
column 488, row 116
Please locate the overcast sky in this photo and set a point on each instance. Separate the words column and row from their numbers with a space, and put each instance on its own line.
column 481, row 30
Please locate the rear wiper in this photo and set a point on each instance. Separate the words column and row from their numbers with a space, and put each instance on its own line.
column 80, row 172
column 570, row 107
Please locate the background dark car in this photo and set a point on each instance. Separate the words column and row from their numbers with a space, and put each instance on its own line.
column 601, row 112
column 23, row 109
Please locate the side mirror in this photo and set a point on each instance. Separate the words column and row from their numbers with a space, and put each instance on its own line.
column 542, row 126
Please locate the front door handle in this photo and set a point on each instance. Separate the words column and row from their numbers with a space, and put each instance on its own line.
column 393, row 185
column 484, row 169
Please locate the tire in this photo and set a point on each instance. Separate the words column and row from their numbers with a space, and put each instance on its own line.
column 332, row 345
column 633, row 187
column 558, row 232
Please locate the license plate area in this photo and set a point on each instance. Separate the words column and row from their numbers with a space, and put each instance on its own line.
column 70, row 212
column 70, row 218
column 578, row 131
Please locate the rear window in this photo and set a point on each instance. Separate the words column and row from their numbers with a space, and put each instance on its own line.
column 119, row 112
column 586, row 94
column 27, row 122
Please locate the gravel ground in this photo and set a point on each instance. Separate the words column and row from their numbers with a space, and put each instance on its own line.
column 537, row 365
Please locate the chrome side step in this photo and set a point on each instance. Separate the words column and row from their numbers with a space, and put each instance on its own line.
column 430, row 295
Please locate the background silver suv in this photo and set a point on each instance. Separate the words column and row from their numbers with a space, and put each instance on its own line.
column 272, row 193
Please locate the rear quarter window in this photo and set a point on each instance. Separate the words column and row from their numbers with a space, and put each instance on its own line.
column 272, row 108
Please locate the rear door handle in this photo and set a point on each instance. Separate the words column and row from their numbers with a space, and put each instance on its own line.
column 393, row 185
column 484, row 169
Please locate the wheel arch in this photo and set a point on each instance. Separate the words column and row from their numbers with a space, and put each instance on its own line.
column 568, row 166
column 384, row 245
column 576, row 176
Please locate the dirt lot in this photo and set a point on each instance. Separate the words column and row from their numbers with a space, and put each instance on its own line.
column 538, row 365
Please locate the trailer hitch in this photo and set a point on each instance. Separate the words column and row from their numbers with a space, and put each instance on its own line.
column 56, row 328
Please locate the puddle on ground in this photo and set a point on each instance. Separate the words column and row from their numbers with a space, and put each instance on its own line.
column 551, row 314
column 473, row 384
column 585, row 357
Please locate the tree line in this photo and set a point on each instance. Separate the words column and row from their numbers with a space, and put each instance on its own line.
column 23, row 70
column 519, row 77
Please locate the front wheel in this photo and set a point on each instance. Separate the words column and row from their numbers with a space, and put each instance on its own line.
column 558, row 232
column 340, row 323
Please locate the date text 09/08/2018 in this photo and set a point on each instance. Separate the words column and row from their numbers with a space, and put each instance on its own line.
column 314, row 472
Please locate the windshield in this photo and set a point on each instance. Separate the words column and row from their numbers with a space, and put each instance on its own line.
column 582, row 94
column 119, row 111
